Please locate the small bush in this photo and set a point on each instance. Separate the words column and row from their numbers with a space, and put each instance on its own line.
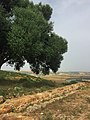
column 48, row 116
column 3, row 92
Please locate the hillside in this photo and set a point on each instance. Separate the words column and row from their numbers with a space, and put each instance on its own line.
column 25, row 97
column 14, row 84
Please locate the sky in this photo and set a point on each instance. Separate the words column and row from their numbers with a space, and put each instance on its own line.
column 72, row 21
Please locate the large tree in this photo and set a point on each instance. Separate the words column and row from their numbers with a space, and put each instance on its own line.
column 29, row 36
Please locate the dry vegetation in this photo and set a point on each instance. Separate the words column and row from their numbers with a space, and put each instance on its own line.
column 25, row 97
column 73, row 107
column 64, row 76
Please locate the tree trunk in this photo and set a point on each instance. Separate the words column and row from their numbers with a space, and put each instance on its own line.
column 1, row 65
column 2, row 61
column 4, row 57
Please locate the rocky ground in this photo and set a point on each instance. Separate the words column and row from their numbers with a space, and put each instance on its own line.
column 71, row 102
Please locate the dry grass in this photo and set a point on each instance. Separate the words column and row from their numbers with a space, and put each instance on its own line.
column 73, row 107
column 62, row 78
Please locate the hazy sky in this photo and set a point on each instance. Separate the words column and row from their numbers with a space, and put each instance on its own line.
column 72, row 21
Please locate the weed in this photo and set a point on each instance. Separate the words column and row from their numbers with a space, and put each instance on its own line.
column 48, row 116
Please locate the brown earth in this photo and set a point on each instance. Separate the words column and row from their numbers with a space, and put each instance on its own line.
column 61, row 78
column 65, row 103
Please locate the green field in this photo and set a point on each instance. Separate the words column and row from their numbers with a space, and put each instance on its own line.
column 14, row 84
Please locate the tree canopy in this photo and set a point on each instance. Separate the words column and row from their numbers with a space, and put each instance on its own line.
column 26, row 33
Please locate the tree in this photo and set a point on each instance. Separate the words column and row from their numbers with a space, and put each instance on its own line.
column 6, row 14
column 8, row 5
column 4, row 29
column 46, row 10
column 31, row 37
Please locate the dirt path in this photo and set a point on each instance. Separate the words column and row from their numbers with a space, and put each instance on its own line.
column 22, row 107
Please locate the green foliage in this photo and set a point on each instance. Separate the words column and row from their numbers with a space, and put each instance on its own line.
column 2, row 92
column 37, row 83
column 31, row 37
column 8, row 5
column 4, row 29
column 46, row 10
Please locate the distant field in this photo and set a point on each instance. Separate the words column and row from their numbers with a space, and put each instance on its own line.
column 64, row 77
